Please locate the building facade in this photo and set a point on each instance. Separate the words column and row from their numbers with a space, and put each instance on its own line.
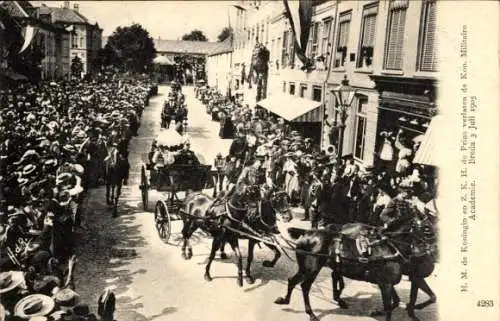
column 84, row 40
column 388, row 51
column 218, row 66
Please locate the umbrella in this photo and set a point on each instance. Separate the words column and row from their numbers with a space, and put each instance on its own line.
column 163, row 60
column 170, row 137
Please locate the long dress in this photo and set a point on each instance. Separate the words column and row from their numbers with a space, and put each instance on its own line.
column 292, row 187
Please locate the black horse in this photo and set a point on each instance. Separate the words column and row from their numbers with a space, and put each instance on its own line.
column 224, row 219
column 364, row 253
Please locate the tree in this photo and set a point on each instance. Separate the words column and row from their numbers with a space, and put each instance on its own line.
column 195, row 35
column 76, row 67
column 133, row 48
column 225, row 33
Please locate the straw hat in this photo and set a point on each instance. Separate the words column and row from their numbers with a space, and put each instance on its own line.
column 67, row 299
column 34, row 305
column 10, row 281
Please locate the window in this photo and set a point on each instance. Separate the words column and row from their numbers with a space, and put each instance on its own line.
column 342, row 39
column 360, row 128
column 272, row 51
column 74, row 40
column 317, row 93
column 267, row 31
column 314, row 39
column 81, row 42
column 303, row 89
column 393, row 58
column 277, row 58
column 284, row 49
column 327, row 26
column 428, row 42
column 292, row 88
column 284, row 86
column 365, row 57
column 262, row 37
column 291, row 49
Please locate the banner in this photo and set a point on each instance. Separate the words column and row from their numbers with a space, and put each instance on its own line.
column 29, row 34
column 300, row 17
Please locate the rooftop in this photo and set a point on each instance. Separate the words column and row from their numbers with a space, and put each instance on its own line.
column 65, row 15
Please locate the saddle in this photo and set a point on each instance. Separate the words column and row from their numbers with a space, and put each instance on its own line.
column 361, row 243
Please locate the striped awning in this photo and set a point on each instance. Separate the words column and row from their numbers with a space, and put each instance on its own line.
column 292, row 108
column 426, row 153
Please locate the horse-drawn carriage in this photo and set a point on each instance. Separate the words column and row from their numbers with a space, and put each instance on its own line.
column 185, row 172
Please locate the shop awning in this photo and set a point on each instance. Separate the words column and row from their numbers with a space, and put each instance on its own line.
column 426, row 153
column 14, row 76
column 292, row 108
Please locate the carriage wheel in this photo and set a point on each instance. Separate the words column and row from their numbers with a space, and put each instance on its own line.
column 144, row 188
column 162, row 220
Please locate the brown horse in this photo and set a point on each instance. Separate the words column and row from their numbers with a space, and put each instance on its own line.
column 359, row 252
column 222, row 219
column 115, row 173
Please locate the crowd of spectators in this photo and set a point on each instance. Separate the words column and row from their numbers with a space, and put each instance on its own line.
column 54, row 137
column 350, row 192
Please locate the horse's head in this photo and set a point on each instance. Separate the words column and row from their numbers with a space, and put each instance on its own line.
column 252, row 193
column 280, row 201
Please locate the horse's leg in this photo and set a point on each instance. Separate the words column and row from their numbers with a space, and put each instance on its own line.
column 395, row 298
column 185, row 236
column 248, row 276
column 108, row 187
column 215, row 245
column 386, row 289
column 338, row 285
column 223, row 254
column 277, row 256
column 420, row 283
column 294, row 280
column 233, row 241
column 117, row 197
column 306, row 288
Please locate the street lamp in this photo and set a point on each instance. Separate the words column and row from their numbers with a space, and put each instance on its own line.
column 344, row 96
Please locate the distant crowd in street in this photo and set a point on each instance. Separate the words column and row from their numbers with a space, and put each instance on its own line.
column 329, row 191
column 54, row 139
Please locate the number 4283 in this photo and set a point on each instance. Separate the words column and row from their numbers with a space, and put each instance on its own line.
column 485, row 303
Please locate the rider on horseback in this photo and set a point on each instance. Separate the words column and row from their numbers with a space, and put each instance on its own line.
column 400, row 209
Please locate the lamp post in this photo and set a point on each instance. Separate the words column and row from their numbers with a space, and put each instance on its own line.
column 344, row 96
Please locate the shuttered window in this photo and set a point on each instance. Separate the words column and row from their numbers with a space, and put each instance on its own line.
column 314, row 39
column 284, row 49
column 342, row 39
column 428, row 49
column 291, row 49
column 395, row 37
column 327, row 26
column 360, row 133
column 368, row 35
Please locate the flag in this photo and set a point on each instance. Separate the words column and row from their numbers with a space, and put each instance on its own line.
column 299, row 15
column 28, row 35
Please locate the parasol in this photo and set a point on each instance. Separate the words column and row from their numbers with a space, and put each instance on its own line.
column 163, row 60
column 170, row 137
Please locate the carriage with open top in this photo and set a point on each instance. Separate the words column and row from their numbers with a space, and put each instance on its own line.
column 183, row 171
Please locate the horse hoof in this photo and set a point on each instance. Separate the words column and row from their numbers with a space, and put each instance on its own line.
column 377, row 313
column 189, row 254
column 184, row 256
column 208, row 277
column 281, row 301
column 268, row 263
column 249, row 279
column 223, row 256
column 342, row 304
column 313, row 318
column 240, row 281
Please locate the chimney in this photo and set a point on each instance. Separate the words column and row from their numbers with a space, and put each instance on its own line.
column 66, row 5
column 76, row 7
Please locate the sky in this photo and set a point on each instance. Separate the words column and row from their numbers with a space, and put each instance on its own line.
column 164, row 19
